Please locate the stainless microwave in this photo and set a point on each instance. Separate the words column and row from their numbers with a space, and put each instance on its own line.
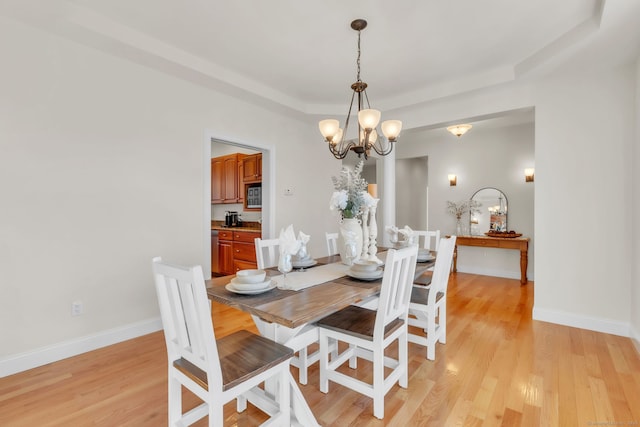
column 254, row 196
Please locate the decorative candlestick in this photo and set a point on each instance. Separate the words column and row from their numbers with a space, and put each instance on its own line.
column 365, row 232
column 373, row 233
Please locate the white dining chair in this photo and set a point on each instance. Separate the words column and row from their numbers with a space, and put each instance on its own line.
column 427, row 239
column 215, row 370
column 332, row 243
column 428, row 306
column 369, row 332
column 267, row 254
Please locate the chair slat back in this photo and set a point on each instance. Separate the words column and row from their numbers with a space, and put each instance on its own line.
column 440, row 278
column 428, row 239
column 395, row 292
column 332, row 243
column 186, row 318
column 267, row 252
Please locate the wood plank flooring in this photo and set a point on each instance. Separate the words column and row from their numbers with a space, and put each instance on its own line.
column 498, row 368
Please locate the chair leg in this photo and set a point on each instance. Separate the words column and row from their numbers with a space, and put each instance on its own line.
column 442, row 323
column 241, row 403
column 378, row 384
column 175, row 401
column 303, row 358
column 403, row 360
column 431, row 337
column 324, row 362
column 216, row 415
column 284, row 392
column 353, row 360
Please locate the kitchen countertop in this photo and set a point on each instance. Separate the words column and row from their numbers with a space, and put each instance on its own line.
column 247, row 226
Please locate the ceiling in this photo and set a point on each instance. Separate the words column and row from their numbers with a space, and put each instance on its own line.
column 301, row 56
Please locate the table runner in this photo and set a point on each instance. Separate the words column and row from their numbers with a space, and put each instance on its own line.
column 298, row 280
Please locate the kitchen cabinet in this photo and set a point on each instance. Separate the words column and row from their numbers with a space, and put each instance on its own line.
column 236, row 251
column 244, row 250
column 252, row 168
column 225, row 252
column 225, row 179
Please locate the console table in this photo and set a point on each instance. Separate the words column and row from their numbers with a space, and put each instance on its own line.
column 519, row 243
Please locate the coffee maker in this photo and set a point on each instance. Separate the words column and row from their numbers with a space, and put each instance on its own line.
column 231, row 219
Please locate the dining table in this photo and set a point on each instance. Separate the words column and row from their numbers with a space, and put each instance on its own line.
column 303, row 297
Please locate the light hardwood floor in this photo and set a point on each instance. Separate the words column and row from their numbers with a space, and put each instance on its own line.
column 498, row 368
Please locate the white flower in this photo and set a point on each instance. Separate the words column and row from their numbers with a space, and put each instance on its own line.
column 338, row 200
column 350, row 189
column 368, row 200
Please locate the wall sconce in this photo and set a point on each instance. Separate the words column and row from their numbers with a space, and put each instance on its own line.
column 453, row 180
column 528, row 174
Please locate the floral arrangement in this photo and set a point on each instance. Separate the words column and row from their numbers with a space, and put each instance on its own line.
column 351, row 192
column 460, row 208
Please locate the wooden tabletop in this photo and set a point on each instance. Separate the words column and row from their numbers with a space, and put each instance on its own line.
column 296, row 308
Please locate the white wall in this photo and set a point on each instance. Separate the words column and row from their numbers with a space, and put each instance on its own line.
column 635, row 255
column 481, row 158
column 101, row 169
column 412, row 183
column 584, row 200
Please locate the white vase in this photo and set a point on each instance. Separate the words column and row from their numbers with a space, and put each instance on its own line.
column 350, row 227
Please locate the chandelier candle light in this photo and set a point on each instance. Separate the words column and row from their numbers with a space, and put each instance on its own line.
column 368, row 119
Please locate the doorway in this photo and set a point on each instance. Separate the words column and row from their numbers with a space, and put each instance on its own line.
column 266, row 216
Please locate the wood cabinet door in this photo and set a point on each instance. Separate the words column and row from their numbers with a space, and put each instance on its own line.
column 244, row 251
column 231, row 179
column 239, row 174
column 243, row 265
column 252, row 166
column 217, row 180
column 225, row 254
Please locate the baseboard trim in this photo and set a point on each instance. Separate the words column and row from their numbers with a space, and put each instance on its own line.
column 606, row 326
column 506, row 274
column 24, row 361
column 635, row 337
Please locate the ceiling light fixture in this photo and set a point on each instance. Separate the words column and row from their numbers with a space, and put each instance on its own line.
column 459, row 130
column 368, row 118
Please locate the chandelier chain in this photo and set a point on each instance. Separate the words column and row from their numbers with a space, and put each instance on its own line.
column 358, row 60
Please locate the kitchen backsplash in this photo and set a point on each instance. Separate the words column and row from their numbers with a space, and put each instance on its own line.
column 217, row 212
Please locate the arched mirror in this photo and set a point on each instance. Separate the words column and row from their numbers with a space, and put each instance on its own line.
column 490, row 213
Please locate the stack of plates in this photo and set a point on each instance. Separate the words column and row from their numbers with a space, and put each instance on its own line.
column 240, row 285
column 302, row 263
column 365, row 270
column 424, row 255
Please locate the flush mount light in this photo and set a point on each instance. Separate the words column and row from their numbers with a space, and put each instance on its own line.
column 368, row 136
column 459, row 130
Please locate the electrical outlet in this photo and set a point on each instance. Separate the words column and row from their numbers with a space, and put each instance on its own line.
column 76, row 308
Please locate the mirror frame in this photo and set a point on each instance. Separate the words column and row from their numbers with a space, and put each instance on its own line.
column 500, row 216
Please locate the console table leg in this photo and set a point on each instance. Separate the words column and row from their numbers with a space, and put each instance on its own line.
column 523, row 267
column 455, row 258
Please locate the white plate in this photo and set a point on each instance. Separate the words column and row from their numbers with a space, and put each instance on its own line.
column 239, row 285
column 426, row 258
column 302, row 264
column 374, row 275
column 231, row 288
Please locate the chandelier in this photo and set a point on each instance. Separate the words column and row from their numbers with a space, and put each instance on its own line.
column 368, row 119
